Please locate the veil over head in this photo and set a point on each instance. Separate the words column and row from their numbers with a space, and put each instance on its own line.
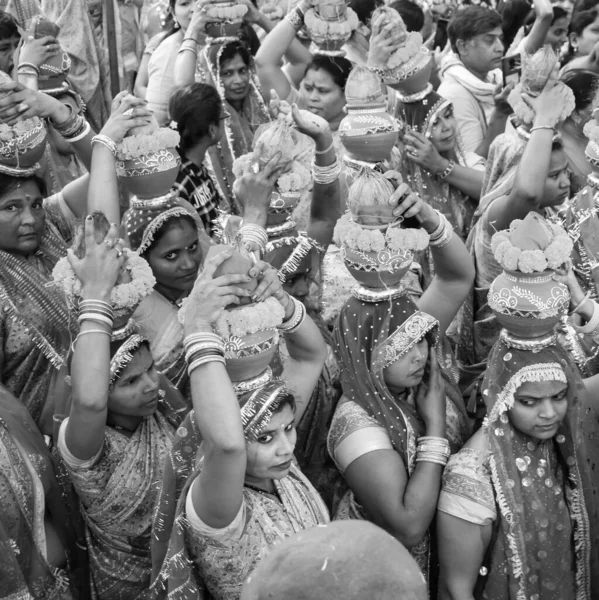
column 542, row 489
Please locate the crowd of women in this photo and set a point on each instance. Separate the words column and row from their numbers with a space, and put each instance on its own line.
column 139, row 459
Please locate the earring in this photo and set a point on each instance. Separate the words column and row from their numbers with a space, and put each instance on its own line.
column 161, row 394
column 177, row 25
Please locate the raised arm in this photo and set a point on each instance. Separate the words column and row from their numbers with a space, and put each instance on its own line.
column 535, row 40
column 531, row 176
column 454, row 268
column 195, row 35
column 127, row 112
column 280, row 42
column 90, row 368
column 403, row 505
column 218, row 492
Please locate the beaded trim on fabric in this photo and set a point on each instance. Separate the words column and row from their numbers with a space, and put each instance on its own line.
column 417, row 96
column 251, row 385
column 528, row 374
column 260, row 407
column 407, row 335
column 124, row 355
column 152, row 202
column 365, row 294
column 534, row 345
column 19, row 171
column 156, row 224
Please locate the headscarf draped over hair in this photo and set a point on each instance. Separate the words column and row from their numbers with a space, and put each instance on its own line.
column 172, row 569
column 542, row 502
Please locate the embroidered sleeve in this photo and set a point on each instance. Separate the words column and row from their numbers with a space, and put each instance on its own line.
column 226, row 535
column 467, row 492
column 354, row 433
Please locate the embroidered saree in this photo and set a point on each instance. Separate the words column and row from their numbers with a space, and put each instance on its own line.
column 535, row 494
column 363, row 337
column 32, row 506
column 118, row 490
column 36, row 328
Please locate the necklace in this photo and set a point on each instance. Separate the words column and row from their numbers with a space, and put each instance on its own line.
column 274, row 494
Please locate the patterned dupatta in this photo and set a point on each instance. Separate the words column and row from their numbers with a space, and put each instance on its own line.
column 29, row 489
column 119, row 514
column 540, row 488
column 369, row 337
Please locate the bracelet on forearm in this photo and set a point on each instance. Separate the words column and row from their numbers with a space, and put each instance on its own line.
column 105, row 141
column 592, row 323
column 250, row 235
column 448, row 170
column 326, row 175
column 294, row 322
column 29, row 66
column 537, row 127
column 296, row 18
column 579, row 306
column 442, row 234
column 326, row 150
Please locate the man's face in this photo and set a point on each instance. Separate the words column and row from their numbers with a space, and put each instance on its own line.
column 484, row 52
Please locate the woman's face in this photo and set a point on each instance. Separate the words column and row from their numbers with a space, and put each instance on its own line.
column 322, row 96
column 183, row 11
column 539, row 408
column 136, row 393
column 557, row 35
column 235, row 77
column 8, row 47
column 176, row 258
column 22, row 219
column 587, row 39
column 408, row 370
column 269, row 457
column 557, row 186
column 443, row 130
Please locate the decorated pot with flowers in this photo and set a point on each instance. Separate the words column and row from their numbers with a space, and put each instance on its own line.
column 377, row 256
column 537, row 70
column 330, row 23
column 147, row 160
column 251, row 337
column 225, row 18
column 591, row 131
column 368, row 132
column 409, row 66
column 134, row 283
column 525, row 298
column 54, row 70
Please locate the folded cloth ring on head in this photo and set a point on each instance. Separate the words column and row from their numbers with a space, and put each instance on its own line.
column 255, row 167
column 128, row 113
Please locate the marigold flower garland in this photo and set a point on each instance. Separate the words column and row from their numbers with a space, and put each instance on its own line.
column 295, row 181
column 124, row 296
column 351, row 234
column 246, row 320
column 10, row 132
column 147, row 143
column 512, row 258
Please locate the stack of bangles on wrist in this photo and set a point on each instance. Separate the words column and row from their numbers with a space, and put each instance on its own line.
column 98, row 311
column 448, row 170
column 294, row 322
column 105, row 141
column 593, row 322
column 296, row 18
column 28, row 69
column 203, row 348
column 252, row 237
column 433, row 449
column 326, row 175
column 75, row 128
column 189, row 44
column 442, row 234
